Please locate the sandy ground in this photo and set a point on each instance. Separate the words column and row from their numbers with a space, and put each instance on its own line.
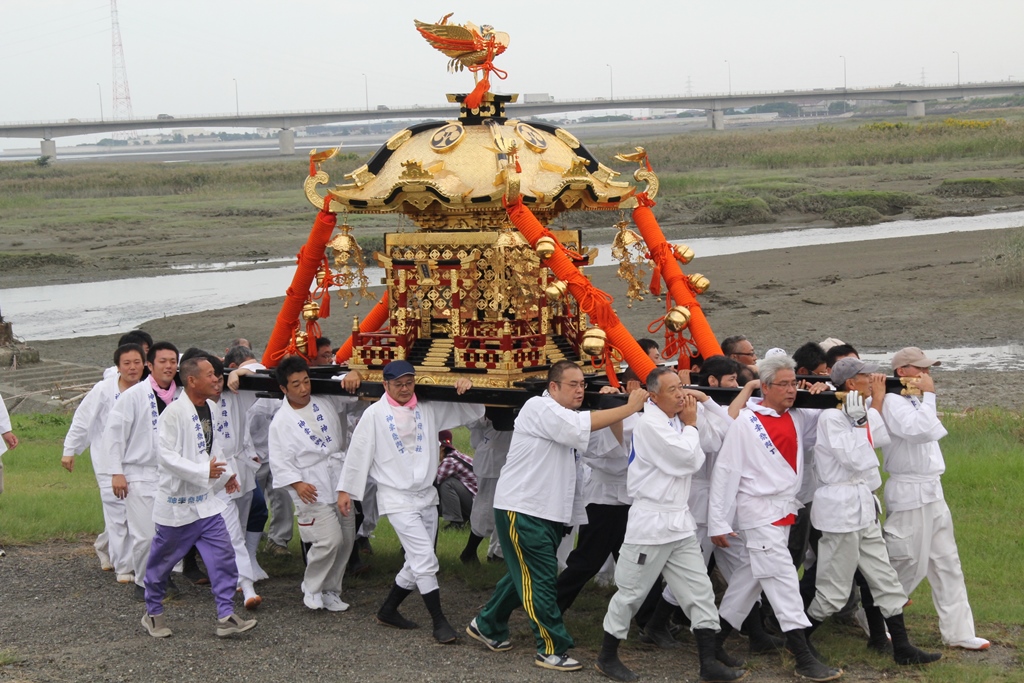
column 942, row 291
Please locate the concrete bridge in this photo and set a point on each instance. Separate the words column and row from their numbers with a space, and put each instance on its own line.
column 715, row 106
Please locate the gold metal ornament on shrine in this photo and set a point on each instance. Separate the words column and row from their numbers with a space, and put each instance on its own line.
column 683, row 253
column 700, row 283
column 302, row 342
column 593, row 341
column 556, row 290
column 350, row 268
column 677, row 318
column 311, row 311
column 545, row 248
column 321, row 275
column 629, row 249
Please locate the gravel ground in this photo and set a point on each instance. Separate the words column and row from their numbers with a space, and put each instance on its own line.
column 62, row 619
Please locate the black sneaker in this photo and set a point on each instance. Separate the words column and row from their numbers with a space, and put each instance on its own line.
column 493, row 645
column 562, row 662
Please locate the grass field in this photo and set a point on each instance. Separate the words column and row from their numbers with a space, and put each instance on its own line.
column 984, row 485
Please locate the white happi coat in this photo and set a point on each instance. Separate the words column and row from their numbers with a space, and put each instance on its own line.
column 230, row 422
column 131, row 443
column 608, row 460
column 185, row 493
column 847, row 469
column 90, row 419
column 664, row 455
column 306, row 445
column 404, row 468
column 5, row 424
column 752, row 483
column 490, row 448
column 713, row 422
column 913, row 458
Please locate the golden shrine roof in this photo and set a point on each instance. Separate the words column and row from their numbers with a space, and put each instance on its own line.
column 455, row 173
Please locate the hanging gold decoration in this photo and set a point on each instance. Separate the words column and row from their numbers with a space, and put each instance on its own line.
column 677, row 318
column 682, row 253
column 301, row 342
column 311, row 311
column 351, row 269
column 545, row 248
column 593, row 341
column 700, row 283
column 629, row 250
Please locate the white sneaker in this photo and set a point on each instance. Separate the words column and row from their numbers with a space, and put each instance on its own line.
column 312, row 600
column 332, row 602
column 126, row 578
column 972, row 644
column 105, row 563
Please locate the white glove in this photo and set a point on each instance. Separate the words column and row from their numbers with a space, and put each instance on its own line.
column 855, row 409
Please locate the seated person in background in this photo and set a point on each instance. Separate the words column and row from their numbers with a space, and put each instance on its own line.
column 456, row 484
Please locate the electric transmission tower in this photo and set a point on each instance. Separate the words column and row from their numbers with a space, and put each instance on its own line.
column 122, row 95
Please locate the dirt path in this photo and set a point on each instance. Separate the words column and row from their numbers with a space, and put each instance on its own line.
column 62, row 619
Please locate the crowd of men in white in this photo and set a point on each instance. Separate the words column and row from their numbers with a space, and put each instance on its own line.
column 671, row 484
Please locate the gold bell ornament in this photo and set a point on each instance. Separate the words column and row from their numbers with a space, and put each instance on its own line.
column 677, row 318
column 682, row 253
column 301, row 342
column 700, row 283
column 593, row 341
column 556, row 290
column 311, row 311
column 545, row 248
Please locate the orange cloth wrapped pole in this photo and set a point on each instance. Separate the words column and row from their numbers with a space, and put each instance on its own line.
column 677, row 283
column 309, row 259
column 373, row 321
column 592, row 300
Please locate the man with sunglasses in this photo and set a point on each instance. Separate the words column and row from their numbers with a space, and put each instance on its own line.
column 538, row 498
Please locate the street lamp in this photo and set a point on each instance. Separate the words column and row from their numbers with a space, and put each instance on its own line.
column 366, row 92
column 236, row 95
column 957, row 68
column 729, row 67
column 844, row 82
column 611, row 82
column 100, row 91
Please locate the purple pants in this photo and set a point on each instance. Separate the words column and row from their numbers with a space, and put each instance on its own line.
column 171, row 543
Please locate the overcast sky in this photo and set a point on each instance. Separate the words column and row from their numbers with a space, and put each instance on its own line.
column 184, row 56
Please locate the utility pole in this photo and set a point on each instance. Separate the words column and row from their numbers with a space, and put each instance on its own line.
column 611, row 82
column 100, row 91
column 122, row 96
column 729, row 67
column 236, row 96
column 844, row 82
column 957, row 68
column 366, row 92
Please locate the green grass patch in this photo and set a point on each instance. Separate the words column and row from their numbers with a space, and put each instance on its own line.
column 1008, row 259
column 884, row 202
column 853, row 215
column 736, row 210
column 980, row 187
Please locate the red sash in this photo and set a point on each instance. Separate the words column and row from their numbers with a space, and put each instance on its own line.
column 782, row 432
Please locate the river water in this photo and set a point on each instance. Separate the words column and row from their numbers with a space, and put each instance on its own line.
column 113, row 306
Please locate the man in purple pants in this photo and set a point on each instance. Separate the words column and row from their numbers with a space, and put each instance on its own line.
column 186, row 512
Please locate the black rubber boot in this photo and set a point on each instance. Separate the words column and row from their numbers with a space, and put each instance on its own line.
column 468, row 555
column 760, row 642
column 878, row 640
column 190, row 568
column 902, row 651
column 656, row 630
column 608, row 661
column 808, row 632
column 712, row 670
column 806, row 664
column 388, row 612
column 443, row 631
column 720, row 653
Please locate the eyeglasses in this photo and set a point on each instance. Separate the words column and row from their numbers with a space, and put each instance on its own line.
column 573, row 385
column 786, row 385
column 403, row 385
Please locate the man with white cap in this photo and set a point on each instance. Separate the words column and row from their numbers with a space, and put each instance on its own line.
column 846, row 511
column 395, row 444
column 919, row 527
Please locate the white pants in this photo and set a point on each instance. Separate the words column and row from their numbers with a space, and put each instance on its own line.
column 416, row 531
column 331, row 537
column 728, row 559
column 682, row 565
column 481, row 520
column 839, row 556
column 139, row 509
column 921, row 544
column 768, row 567
column 237, row 536
column 243, row 504
column 115, row 540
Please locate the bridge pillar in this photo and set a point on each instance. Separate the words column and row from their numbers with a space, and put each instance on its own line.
column 286, row 142
column 915, row 110
column 48, row 148
column 716, row 119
